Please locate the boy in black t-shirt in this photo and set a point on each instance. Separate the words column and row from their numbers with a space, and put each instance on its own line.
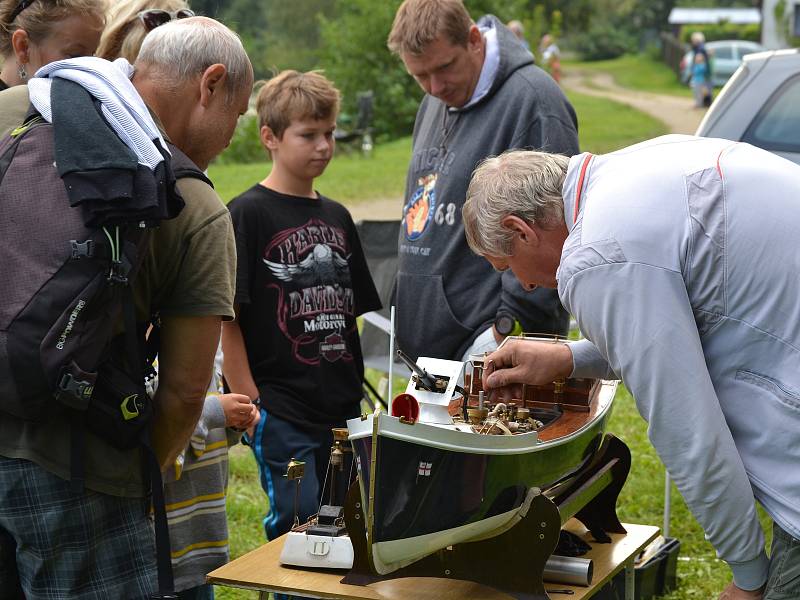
column 302, row 280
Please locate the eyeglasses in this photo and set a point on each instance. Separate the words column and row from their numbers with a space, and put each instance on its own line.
column 155, row 17
column 20, row 7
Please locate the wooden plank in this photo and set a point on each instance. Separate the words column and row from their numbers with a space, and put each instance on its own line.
column 260, row 570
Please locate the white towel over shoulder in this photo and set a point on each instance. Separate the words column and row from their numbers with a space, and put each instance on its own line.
column 109, row 83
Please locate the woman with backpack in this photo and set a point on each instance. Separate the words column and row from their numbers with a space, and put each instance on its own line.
column 34, row 33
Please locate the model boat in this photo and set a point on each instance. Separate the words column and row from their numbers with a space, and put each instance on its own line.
column 449, row 466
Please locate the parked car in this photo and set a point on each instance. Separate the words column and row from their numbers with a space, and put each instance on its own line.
column 725, row 55
column 760, row 104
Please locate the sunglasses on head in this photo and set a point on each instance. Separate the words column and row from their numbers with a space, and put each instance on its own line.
column 155, row 17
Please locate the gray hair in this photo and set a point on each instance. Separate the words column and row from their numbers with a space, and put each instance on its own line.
column 522, row 183
column 184, row 48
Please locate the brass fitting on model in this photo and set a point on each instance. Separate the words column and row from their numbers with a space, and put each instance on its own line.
column 558, row 389
column 477, row 415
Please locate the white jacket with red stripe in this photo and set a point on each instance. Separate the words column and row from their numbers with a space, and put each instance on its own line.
column 683, row 271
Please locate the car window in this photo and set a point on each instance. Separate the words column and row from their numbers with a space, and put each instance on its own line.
column 776, row 127
column 723, row 52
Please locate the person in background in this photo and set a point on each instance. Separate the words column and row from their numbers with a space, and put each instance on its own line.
column 483, row 95
column 302, row 279
column 551, row 56
column 195, row 77
column 129, row 21
column 677, row 258
column 517, row 28
column 698, row 43
column 195, row 488
column 34, row 33
column 701, row 81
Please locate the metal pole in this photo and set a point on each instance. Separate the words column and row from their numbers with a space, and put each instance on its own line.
column 630, row 580
column 568, row 569
column 667, row 505
column 391, row 359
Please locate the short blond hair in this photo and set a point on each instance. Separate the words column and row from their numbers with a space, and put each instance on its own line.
column 125, row 32
column 419, row 22
column 292, row 95
column 41, row 17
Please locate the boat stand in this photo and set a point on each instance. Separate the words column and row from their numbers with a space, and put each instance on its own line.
column 513, row 562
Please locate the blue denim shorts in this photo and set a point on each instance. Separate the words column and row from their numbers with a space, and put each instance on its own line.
column 68, row 544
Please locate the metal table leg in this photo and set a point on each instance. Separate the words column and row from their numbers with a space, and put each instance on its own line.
column 630, row 580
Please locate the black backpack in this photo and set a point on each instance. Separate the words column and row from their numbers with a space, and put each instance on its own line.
column 66, row 280
column 68, row 330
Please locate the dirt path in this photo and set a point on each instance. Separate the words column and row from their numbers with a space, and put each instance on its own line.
column 674, row 111
column 383, row 209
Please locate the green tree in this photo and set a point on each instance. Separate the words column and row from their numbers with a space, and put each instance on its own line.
column 247, row 18
column 505, row 10
column 277, row 34
column 355, row 57
column 209, row 8
column 652, row 14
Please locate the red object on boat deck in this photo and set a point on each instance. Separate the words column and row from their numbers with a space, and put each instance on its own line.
column 406, row 406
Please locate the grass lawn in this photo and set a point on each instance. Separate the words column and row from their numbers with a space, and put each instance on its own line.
column 637, row 72
column 349, row 178
column 603, row 125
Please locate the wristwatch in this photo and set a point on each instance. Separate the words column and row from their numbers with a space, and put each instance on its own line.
column 506, row 325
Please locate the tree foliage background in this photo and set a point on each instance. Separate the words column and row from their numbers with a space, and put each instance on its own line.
column 347, row 39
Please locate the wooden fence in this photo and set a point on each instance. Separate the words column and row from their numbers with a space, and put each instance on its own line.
column 672, row 50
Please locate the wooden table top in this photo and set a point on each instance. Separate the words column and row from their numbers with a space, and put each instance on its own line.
column 260, row 570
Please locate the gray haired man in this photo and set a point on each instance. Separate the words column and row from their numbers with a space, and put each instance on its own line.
column 660, row 251
column 195, row 77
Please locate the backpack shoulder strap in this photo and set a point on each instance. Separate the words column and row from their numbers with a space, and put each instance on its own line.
column 182, row 165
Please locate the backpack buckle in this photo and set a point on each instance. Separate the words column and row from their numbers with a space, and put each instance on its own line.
column 120, row 270
column 131, row 406
column 82, row 249
column 75, row 393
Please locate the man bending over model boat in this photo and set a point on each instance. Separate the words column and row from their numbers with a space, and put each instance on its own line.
column 677, row 258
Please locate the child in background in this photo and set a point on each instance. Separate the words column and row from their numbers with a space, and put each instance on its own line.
column 551, row 56
column 195, row 488
column 302, row 280
column 701, row 81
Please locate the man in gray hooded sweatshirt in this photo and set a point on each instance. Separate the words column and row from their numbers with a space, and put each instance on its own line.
column 484, row 95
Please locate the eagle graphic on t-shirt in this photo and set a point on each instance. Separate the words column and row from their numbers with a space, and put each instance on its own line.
column 323, row 265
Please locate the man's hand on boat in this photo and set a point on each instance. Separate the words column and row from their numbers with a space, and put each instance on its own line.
column 732, row 592
column 519, row 362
